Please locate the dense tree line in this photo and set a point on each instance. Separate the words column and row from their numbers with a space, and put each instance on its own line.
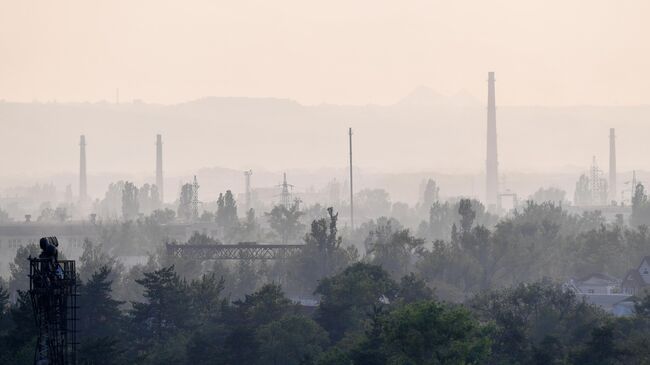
column 466, row 288
column 363, row 317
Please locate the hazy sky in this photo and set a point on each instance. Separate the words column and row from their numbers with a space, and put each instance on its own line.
column 559, row 52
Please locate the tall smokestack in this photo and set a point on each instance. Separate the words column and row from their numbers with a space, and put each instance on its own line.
column 491, row 162
column 612, row 165
column 159, row 167
column 83, row 182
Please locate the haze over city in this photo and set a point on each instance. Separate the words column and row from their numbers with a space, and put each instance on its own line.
column 335, row 183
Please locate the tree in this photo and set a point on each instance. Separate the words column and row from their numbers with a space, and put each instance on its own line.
column 394, row 251
column 47, row 215
column 18, row 345
column 432, row 333
column 164, row 311
column 530, row 317
column 185, row 211
column 286, row 222
column 551, row 194
column 250, row 229
column 467, row 215
column 640, row 207
column 205, row 298
column 429, row 195
column 321, row 256
column 19, row 268
column 99, row 314
column 93, row 259
column 236, row 342
column 130, row 203
column 347, row 298
column 226, row 215
column 61, row 214
column 160, row 216
column 4, row 216
column 413, row 289
column 292, row 340
column 4, row 304
column 373, row 203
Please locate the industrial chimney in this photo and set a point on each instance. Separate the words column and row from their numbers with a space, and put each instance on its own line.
column 612, row 165
column 159, row 167
column 83, row 182
column 491, row 162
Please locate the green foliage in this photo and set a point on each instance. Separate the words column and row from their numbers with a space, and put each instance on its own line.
column 292, row 340
column 323, row 255
column 19, row 268
column 432, row 333
column 395, row 251
column 162, row 216
column 93, row 259
column 130, row 202
column 550, row 195
column 226, row 216
column 531, row 317
column 163, row 313
column 286, row 222
column 185, row 211
column 347, row 298
column 640, row 207
column 99, row 314
column 413, row 289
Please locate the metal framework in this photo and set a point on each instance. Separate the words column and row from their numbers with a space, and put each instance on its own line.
column 53, row 292
column 241, row 251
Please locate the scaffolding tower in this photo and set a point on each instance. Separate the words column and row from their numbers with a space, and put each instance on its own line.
column 53, row 293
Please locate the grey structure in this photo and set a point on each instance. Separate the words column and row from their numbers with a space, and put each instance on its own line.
column 83, row 181
column 491, row 162
column 159, row 167
column 240, row 251
column 612, row 166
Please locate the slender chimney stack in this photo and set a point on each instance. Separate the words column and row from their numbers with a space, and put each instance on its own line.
column 159, row 167
column 83, row 182
column 612, row 165
column 491, row 162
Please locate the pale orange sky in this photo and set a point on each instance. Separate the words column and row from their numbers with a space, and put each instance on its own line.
column 558, row 52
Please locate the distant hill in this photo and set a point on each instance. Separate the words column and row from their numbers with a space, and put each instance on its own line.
column 425, row 133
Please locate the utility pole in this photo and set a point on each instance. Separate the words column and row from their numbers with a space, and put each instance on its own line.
column 83, row 180
column 351, row 185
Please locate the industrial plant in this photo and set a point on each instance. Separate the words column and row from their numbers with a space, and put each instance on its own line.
column 339, row 183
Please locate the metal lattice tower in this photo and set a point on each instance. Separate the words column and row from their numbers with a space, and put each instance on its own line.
column 597, row 184
column 53, row 292
column 285, row 194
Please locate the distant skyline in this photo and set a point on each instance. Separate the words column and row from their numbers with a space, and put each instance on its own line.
column 551, row 53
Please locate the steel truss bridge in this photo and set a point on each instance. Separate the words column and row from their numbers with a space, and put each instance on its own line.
column 240, row 251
